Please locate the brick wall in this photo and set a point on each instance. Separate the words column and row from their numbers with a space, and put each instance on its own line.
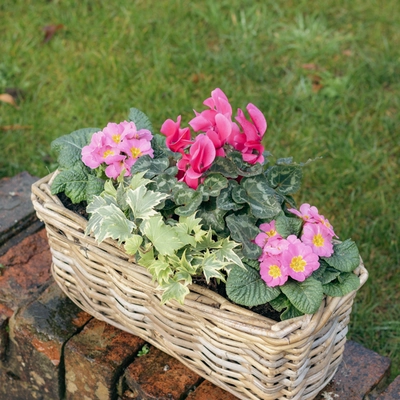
column 50, row 349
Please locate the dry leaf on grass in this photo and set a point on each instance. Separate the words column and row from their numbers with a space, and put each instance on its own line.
column 7, row 98
column 310, row 67
column 14, row 127
column 50, row 30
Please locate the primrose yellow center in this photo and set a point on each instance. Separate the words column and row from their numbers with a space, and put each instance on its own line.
column 271, row 233
column 116, row 138
column 274, row 271
column 135, row 152
column 108, row 153
column 318, row 240
column 298, row 264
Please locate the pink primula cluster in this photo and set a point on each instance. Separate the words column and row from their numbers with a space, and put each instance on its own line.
column 293, row 257
column 216, row 131
column 118, row 146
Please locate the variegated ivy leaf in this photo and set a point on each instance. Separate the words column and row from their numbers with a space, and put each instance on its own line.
column 142, row 202
column 191, row 226
column 138, row 180
column 226, row 253
column 286, row 179
column 112, row 224
column 160, row 270
column 132, row 244
column 146, row 256
column 173, row 290
column 110, row 189
column 207, row 242
column 165, row 238
column 211, row 267
column 96, row 218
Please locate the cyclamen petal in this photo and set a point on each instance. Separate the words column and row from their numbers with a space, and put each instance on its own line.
column 258, row 119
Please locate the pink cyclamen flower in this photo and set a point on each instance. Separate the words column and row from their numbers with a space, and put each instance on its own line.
column 318, row 237
column 300, row 261
column 192, row 166
column 272, row 272
column 306, row 212
column 177, row 138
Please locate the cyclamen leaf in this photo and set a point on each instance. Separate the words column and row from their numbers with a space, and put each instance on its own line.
column 340, row 287
column 212, row 219
column 285, row 179
column 305, row 296
column 69, row 147
column 151, row 166
column 132, row 244
column 189, row 201
column 286, row 226
column 345, row 257
column 225, row 200
column 243, row 230
column 140, row 119
column 164, row 237
column 225, row 167
column 213, row 184
column 244, row 286
column 142, row 202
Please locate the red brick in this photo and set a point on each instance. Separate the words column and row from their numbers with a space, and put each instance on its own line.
column 208, row 391
column 158, row 376
column 26, row 270
column 38, row 332
column 392, row 392
column 95, row 359
column 360, row 372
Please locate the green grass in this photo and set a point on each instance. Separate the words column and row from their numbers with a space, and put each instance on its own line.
column 165, row 57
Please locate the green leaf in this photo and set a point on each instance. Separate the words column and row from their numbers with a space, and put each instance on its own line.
column 140, row 119
column 285, row 179
column 138, row 179
column 286, row 226
column 325, row 273
column 164, row 237
column 244, row 286
column 164, row 183
column 213, row 184
column 262, row 199
column 69, row 147
column 173, row 290
column 244, row 168
column 345, row 257
column 212, row 218
column 344, row 284
column 291, row 312
column 132, row 244
column 152, row 166
column 95, row 187
column 142, row 202
column 73, row 182
column 243, row 230
column 306, row 296
column 160, row 270
column 279, row 303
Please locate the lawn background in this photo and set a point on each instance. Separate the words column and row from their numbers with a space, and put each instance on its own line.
column 325, row 74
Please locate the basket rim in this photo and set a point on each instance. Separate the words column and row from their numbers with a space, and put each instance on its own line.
column 250, row 322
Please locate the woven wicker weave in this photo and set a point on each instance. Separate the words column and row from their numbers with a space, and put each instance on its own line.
column 244, row 353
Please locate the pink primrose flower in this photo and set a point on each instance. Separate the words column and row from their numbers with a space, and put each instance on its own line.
column 306, row 212
column 272, row 272
column 177, row 138
column 136, row 148
column 91, row 154
column 115, row 169
column 300, row 261
column 322, row 220
column 275, row 246
column 318, row 237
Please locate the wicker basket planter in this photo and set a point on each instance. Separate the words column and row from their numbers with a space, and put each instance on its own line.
column 244, row 353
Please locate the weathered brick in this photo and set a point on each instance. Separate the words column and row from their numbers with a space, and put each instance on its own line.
column 3, row 335
column 26, row 270
column 360, row 372
column 208, row 391
column 16, row 210
column 392, row 392
column 158, row 376
column 95, row 359
column 38, row 332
